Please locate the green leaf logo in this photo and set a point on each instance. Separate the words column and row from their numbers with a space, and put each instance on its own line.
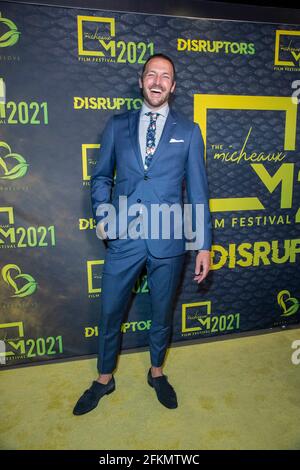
column 20, row 291
column 18, row 170
column 10, row 37
column 289, row 305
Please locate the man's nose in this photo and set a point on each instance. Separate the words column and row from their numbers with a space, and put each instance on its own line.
column 158, row 80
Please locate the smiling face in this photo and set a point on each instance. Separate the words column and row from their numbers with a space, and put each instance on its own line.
column 157, row 82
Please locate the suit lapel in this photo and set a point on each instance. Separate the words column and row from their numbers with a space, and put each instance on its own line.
column 134, row 119
column 165, row 137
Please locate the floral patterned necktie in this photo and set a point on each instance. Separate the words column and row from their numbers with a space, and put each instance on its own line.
column 150, row 139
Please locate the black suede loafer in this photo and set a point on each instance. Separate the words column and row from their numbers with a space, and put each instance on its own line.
column 90, row 399
column 165, row 392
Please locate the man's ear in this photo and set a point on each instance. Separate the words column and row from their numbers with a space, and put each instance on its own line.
column 173, row 87
column 140, row 82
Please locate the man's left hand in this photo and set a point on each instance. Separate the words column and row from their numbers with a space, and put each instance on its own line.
column 202, row 266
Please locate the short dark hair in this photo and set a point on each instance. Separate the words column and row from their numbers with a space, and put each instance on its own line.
column 160, row 56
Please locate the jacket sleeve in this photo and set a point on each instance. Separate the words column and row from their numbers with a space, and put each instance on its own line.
column 103, row 174
column 197, row 189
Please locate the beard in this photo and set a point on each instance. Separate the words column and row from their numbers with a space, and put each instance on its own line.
column 156, row 100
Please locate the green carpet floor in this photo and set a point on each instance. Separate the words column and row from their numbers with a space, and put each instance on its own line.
column 241, row 393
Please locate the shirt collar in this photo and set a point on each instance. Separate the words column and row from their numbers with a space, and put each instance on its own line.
column 163, row 111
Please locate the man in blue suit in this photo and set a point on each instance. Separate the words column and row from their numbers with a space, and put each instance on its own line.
column 154, row 151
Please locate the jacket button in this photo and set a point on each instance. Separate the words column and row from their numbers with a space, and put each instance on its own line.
column 138, row 200
column 146, row 177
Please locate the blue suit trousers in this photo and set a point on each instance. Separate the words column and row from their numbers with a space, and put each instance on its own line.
column 125, row 259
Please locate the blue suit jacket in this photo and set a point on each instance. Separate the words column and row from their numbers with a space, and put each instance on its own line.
column 178, row 160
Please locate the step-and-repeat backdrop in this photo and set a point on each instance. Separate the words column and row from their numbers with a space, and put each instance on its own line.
column 64, row 72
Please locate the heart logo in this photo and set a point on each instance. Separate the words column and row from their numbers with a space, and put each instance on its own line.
column 289, row 305
column 24, row 290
